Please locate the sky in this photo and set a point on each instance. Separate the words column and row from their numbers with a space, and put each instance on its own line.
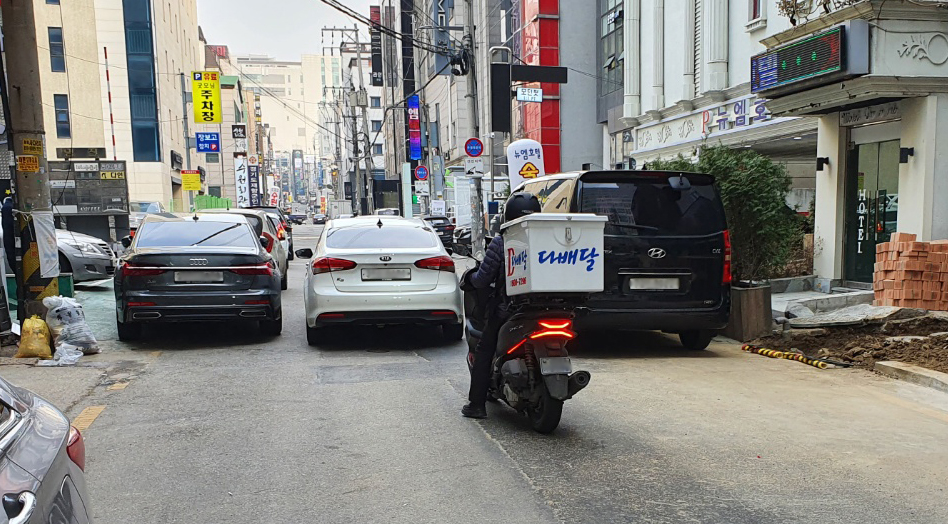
column 284, row 29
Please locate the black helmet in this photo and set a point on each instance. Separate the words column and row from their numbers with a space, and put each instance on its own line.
column 519, row 205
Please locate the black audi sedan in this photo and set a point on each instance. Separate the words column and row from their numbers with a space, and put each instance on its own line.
column 207, row 267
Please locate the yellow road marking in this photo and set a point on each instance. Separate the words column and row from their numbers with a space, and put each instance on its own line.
column 117, row 386
column 156, row 354
column 87, row 417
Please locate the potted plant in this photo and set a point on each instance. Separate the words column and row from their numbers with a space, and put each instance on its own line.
column 763, row 229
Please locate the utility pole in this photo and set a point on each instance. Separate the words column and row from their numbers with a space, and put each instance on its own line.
column 26, row 127
column 363, row 102
column 478, row 229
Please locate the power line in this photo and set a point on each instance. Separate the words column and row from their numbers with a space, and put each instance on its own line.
column 348, row 11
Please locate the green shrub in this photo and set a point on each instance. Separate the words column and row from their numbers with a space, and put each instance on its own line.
column 753, row 188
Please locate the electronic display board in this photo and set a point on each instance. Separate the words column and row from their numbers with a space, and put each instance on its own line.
column 819, row 55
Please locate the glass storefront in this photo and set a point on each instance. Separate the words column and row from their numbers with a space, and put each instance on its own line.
column 872, row 204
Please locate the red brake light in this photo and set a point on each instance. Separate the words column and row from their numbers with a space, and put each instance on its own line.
column 328, row 265
column 556, row 324
column 552, row 333
column 141, row 304
column 450, row 228
column 281, row 233
column 442, row 263
column 76, row 448
column 515, row 348
column 261, row 269
column 727, row 258
column 134, row 270
column 555, row 327
column 270, row 241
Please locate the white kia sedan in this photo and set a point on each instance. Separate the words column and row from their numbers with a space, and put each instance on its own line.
column 378, row 270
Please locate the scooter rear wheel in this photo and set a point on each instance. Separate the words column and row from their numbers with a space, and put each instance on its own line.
column 545, row 416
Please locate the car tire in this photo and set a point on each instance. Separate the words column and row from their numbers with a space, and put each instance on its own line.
column 452, row 332
column 271, row 328
column 697, row 339
column 128, row 331
column 284, row 280
column 312, row 335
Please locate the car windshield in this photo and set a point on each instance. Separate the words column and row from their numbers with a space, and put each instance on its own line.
column 654, row 205
column 203, row 233
column 372, row 236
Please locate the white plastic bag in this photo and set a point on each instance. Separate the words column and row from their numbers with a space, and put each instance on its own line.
column 66, row 355
column 68, row 326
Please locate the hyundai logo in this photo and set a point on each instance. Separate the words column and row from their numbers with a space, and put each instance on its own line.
column 657, row 252
column 385, row 258
column 198, row 261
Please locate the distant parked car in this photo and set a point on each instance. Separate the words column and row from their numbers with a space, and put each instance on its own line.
column 41, row 473
column 266, row 226
column 443, row 227
column 86, row 257
column 285, row 224
column 388, row 211
column 212, row 267
column 319, row 218
column 138, row 210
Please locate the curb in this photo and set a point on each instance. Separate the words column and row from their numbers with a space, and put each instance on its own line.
column 914, row 374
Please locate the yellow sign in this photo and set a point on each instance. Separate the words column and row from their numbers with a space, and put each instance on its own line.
column 32, row 146
column 206, row 92
column 112, row 175
column 191, row 180
column 529, row 170
column 27, row 163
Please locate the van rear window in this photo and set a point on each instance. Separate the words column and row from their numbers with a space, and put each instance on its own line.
column 654, row 205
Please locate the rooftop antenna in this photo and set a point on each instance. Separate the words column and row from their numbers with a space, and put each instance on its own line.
column 379, row 223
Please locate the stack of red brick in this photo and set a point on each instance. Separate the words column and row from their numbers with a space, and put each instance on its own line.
column 911, row 274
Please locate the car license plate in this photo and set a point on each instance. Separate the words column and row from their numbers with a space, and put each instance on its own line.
column 198, row 276
column 654, row 283
column 386, row 274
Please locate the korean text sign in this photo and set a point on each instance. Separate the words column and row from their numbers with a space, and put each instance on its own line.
column 206, row 91
column 414, row 128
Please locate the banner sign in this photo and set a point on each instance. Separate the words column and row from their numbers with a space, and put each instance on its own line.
column 191, row 180
column 375, row 34
column 441, row 12
column 240, row 176
column 253, row 183
column 414, row 128
column 206, row 91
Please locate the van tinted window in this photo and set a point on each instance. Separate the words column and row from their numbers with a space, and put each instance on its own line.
column 653, row 204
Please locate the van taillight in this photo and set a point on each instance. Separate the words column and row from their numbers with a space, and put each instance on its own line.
column 727, row 258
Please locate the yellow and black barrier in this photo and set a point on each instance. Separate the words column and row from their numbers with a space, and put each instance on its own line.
column 788, row 355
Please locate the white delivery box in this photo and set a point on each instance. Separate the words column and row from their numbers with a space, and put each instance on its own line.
column 554, row 253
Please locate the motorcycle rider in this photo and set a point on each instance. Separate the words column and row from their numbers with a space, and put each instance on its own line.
column 491, row 271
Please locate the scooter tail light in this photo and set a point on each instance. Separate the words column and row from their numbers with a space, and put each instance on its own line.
column 552, row 333
column 516, row 347
column 556, row 324
column 76, row 448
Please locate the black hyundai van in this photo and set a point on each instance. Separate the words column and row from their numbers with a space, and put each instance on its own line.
column 667, row 249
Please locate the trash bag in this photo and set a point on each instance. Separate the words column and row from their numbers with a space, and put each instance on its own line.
column 65, row 355
column 67, row 323
column 34, row 339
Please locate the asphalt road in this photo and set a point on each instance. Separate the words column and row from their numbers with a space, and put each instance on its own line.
column 225, row 426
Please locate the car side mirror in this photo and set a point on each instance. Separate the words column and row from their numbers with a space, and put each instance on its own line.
column 126, row 241
column 450, row 251
column 304, row 252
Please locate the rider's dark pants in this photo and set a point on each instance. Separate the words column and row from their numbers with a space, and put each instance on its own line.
column 483, row 357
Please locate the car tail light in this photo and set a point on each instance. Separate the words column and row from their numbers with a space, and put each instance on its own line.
column 141, row 304
column 256, row 302
column 450, row 227
column 270, row 241
column 328, row 265
column 727, row 258
column 76, row 448
column 442, row 263
column 260, row 269
column 281, row 233
column 332, row 315
column 129, row 269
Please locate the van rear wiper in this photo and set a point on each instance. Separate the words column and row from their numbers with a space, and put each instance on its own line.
column 634, row 226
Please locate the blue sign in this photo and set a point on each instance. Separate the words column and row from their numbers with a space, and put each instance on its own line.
column 208, row 142
column 421, row 172
column 586, row 255
column 474, row 147
column 414, row 128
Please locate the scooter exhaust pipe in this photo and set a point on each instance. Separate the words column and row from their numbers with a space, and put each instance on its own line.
column 577, row 381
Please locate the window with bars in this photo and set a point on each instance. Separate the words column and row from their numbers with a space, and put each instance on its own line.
column 61, row 104
column 57, row 52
